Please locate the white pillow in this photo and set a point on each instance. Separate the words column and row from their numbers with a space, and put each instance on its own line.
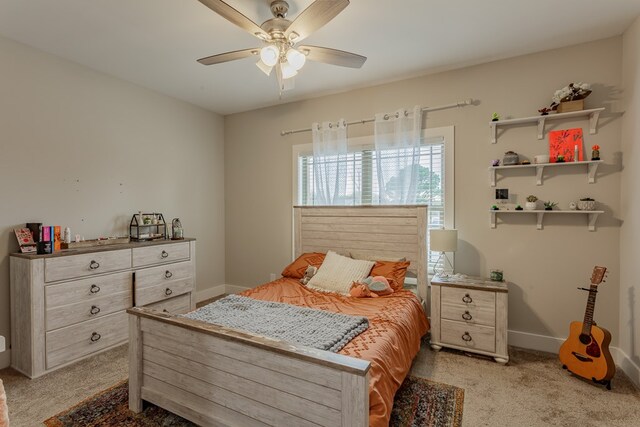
column 337, row 273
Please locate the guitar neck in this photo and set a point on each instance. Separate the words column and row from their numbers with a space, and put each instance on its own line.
column 588, row 313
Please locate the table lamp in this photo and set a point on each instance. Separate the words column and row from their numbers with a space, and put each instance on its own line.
column 443, row 241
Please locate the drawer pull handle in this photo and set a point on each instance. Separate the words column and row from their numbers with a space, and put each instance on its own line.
column 94, row 289
column 467, row 316
column 466, row 337
column 168, row 292
column 95, row 337
column 95, row 309
column 467, row 299
column 94, row 265
column 168, row 274
column 164, row 254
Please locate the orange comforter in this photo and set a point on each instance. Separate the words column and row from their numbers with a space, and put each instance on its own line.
column 396, row 324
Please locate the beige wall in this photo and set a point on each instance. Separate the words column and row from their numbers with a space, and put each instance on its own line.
column 545, row 266
column 630, row 201
column 85, row 150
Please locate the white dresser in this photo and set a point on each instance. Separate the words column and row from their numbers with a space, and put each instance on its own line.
column 470, row 314
column 72, row 304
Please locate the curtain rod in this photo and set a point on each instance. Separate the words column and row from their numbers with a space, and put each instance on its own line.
column 363, row 121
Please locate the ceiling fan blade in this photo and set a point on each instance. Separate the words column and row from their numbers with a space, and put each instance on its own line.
column 235, row 17
column 333, row 56
column 229, row 56
column 318, row 14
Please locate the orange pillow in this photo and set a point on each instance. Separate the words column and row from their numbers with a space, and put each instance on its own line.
column 296, row 269
column 394, row 271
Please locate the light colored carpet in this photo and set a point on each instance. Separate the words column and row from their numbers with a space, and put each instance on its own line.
column 531, row 391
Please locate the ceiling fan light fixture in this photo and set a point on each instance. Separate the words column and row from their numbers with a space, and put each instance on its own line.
column 270, row 55
column 264, row 67
column 296, row 59
column 288, row 70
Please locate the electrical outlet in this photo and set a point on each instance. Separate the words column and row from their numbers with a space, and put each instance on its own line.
column 272, row 277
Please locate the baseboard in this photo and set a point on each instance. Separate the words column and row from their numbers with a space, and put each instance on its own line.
column 209, row 293
column 5, row 359
column 233, row 289
column 552, row 345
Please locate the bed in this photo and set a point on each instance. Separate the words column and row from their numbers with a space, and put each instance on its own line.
column 214, row 375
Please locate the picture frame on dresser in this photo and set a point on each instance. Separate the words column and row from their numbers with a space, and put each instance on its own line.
column 72, row 304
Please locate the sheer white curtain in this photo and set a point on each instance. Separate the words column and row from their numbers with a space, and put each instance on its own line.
column 329, row 163
column 397, row 153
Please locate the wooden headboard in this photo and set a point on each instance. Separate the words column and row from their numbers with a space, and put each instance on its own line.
column 366, row 232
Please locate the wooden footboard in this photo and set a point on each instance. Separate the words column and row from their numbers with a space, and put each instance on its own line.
column 213, row 376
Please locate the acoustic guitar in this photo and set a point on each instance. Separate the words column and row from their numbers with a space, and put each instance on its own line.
column 586, row 350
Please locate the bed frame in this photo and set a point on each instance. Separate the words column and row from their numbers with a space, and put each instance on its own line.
column 212, row 375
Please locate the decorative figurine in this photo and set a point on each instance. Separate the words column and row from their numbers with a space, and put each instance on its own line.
column 595, row 152
column 573, row 206
column 495, row 162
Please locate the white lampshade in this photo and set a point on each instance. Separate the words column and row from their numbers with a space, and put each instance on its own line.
column 270, row 55
column 288, row 70
column 296, row 59
column 443, row 240
column 264, row 67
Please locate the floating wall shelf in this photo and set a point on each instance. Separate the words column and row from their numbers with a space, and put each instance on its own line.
column 592, row 215
column 592, row 167
column 593, row 115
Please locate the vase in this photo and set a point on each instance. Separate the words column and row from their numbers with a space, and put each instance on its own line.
column 586, row 205
column 595, row 155
column 531, row 206
column 568, row 106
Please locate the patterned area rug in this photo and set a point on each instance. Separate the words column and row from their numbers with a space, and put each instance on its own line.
column 418, row 402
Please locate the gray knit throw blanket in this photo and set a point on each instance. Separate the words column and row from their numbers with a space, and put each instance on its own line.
column 319, row 329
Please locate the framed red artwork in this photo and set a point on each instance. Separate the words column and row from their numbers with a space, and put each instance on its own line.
column 564, row 143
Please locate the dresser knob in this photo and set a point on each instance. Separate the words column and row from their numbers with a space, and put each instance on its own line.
column 164, row 254
column 168, row 292
column 466, row 337
column 467, row 299
column 94, row 289
column 467, row 316
column 95, row 309
column 94, row 265
column 95, row 337
column 168, row 274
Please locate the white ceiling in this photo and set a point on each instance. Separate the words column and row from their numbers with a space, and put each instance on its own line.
column 155, row 43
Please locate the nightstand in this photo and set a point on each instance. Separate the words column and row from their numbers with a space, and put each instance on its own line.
column 470, row 314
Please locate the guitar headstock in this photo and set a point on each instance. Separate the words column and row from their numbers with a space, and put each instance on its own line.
column 598, row 275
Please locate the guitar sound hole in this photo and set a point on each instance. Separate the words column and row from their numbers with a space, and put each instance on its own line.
column 585, row 339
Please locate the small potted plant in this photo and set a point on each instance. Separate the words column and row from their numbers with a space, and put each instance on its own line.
column 586, row 204
column 495, row 208
column 532, row 203
column 544, row 111
column 595, row 152
column 518, row 208
column 548, row 206
column 495, row 117
column 560, row 158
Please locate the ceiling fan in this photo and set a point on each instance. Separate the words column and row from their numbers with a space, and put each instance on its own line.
column 280, row 37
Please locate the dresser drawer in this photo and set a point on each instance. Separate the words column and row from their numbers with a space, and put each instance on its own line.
column 468, row 298
column 473, row 337
column 73, row 266
column 473, row 314
column 165, row 273
column 157, row 254
column 163, row 291
column 86, row 290
column 70, row 314
column 176, row 305
column 70, row 343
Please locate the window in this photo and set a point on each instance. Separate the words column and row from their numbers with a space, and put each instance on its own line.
column 435, row 184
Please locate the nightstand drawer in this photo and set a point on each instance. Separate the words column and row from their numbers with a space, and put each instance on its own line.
column 473, row 337
column 73, row 266
column 158, row 254
column 482, row 314
column 468, row 298
column 176, row 305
